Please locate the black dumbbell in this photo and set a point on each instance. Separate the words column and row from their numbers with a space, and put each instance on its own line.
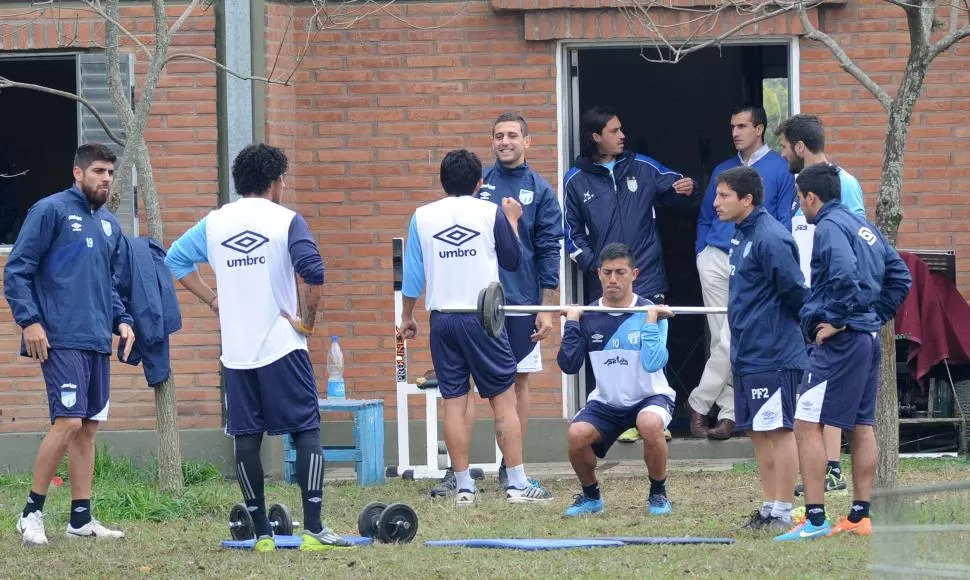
column 389, row 524
column 241, row 526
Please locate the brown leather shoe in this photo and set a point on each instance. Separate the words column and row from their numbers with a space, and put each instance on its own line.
column 722, row 430
column 698, row 422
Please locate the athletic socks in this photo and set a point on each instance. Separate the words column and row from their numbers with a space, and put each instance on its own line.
column 80, row 513
column 658, row 486
column 781, row 511
column 309, row 474
column 860, row 510
column 517, row 477
column 592, row 491
column 249, row 472
column 766, row 508
column 35, row 503
column 815, row 513
column 464, row 481
column 836, row 468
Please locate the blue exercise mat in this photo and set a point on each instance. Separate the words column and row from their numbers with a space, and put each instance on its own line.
column 660, row 540
column 283, row 542
column 526, row 544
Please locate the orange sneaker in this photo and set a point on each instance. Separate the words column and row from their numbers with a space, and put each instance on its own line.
column 861, row 528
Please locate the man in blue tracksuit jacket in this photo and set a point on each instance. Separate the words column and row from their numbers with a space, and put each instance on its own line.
column 610, row 196
column 713, row 242
column 858, row 283
column 540, row 231
column 766, row 291
column 60, row 283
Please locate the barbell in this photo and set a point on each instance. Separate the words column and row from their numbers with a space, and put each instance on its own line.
column 492, row 308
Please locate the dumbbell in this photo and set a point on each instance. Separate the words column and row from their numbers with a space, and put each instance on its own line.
column 241, row 526
column 389, row 524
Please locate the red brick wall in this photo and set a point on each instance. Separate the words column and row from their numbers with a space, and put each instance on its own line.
column 182, row 140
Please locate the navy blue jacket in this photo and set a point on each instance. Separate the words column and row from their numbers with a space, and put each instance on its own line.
column 148, row 292
column 62, row 273
column 778, row 199
column 858, row 279
column 601, row 209
column 540, row 230
column 765, row 292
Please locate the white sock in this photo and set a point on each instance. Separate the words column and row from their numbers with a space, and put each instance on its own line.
column 766, row 508
column 464, row 480
column 781, row 510
column 517, row 477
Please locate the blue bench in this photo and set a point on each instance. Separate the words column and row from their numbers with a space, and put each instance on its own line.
column 367, row 452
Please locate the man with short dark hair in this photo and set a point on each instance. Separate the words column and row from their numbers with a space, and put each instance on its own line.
column 455, row 247
column 628, row 352
column 858, row 284
column 767, row 349
column 59, row 283
column 256, row 247
column 748, row 126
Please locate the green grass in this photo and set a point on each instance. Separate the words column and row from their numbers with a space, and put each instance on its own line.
column 179, row 537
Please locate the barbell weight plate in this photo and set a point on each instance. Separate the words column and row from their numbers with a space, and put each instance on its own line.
column 368, row 518
column 241, row 525
column 493, row 313
column 279, row 514
column 398, row 524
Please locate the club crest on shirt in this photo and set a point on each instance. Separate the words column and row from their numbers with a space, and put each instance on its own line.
column 633, row 337
column 631, row 184
column 525, row 196
column 106, row 226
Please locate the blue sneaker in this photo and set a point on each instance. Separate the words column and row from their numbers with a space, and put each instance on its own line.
column 806, row 531
column 584, row 505
column 659, row 504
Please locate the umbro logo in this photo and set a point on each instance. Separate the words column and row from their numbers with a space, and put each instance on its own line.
column 456, row 236
column 245, row 242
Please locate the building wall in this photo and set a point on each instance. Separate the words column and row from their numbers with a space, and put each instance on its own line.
column 372, row 110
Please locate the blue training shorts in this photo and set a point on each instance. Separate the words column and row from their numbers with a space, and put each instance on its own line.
column 841, row 381
column 765, row 401
column 611, row 422
column 460, row 347
column 278, row 398
column 78, row 383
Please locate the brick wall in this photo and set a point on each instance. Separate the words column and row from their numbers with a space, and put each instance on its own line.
column 182, row 141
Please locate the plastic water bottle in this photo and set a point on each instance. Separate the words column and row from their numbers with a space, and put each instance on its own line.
column 335, row 372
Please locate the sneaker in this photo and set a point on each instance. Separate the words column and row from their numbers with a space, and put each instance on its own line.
column 861, row 528
column 325, row 539
column 465, row 497
column 777, row 525
column 31, row 529
column 446, row 486
column 629, row 436
column 835, row 484
column 756, row 522
column 806, row 531
column 264, row 544
column 503, row 477
column 659, row 504
column 535, row 493
column 93, row 529
column 667, row 435
column 584, row 505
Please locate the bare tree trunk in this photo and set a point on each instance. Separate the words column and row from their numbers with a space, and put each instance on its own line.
column 170, row 477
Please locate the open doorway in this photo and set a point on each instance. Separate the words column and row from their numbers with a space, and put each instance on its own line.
column 680, row 115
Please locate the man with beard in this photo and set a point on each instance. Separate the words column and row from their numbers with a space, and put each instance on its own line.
column 59, row 284
column 802, row 141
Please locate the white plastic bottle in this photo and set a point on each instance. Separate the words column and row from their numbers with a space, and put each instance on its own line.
column 335, row 372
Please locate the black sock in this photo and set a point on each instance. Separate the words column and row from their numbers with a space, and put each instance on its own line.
column 592, row 491
column 80, row 512
column 860, row 509
column 815, row 512
column 309, row 474
column 249, row 471
column 658, row 486
column 835, row 467
column 35, row 503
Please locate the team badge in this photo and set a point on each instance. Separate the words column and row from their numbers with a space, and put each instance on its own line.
column 525, row 196
column 106, row 226
column 68, row 394
column 633, row 337
column 631, row 184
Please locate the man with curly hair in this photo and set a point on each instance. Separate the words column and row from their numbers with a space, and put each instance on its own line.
column 255, row 246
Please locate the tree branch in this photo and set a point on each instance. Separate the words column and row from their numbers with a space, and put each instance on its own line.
column 11, row 175
column 844, row 61
column 96, row 8
column 949, row 40
column 6, row 83
column 223, row 67
column 182, row 18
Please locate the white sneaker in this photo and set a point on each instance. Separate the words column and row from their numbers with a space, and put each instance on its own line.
column 93, row 529
column 463, row 497
column 31, row 528
column 535, row 493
